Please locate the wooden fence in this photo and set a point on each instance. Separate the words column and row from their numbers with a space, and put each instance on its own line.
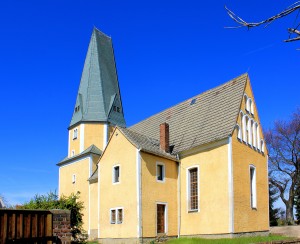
column 26, row 226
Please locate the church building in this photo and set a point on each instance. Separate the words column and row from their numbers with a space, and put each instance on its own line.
column 198, row 168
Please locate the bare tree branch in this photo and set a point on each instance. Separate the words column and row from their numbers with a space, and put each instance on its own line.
column 289, row 10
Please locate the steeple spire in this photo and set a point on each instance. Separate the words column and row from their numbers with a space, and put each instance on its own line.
column 99, row 98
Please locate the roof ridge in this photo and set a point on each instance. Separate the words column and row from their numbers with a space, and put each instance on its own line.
column 219, row 86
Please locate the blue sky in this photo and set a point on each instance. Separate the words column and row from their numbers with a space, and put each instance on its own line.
column 166, row 52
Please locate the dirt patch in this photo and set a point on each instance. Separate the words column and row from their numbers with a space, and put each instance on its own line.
column 291, row 230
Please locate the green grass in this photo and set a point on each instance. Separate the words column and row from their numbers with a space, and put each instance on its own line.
column 240, row 240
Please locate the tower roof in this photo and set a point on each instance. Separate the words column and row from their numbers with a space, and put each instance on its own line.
column 98, row 98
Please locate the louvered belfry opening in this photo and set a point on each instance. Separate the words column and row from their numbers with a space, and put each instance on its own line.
column 164, row 137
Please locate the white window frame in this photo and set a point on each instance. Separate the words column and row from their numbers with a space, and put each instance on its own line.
column 254, row 131
column 253, row 192
column 249, row 131
column 252, row 107
column 188, row 190
column 163, row 172
column 166, row 217
column 244, row 127
column 113, row 174
column 117, row 215
column 73, row 178
column 75, row 133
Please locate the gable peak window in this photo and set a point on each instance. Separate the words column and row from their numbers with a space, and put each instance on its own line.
column 116, row 174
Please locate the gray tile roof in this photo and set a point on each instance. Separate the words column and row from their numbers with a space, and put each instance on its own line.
column 145, row 143
column 94, row 177
column 210, row 117
column 90, row 150
column 99, row 87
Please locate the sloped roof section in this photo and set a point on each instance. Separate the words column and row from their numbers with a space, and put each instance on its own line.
column 90, row 150
column 98, row 84
column 145, row 143
column 207, row 117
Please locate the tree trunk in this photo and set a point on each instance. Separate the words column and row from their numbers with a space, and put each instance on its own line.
column 289, row 213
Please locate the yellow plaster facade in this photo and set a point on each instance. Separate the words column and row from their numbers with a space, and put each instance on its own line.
column 123, row 194
column 244, row 155
column 224, row 185
column 213, row 210
column 154, row 192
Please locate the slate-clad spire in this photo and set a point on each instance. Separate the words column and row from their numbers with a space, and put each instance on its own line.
column 99, row 98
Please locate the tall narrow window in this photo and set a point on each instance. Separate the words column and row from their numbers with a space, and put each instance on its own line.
column 239, row 132
column 120, row 215
column 244, row 127
column 253, row 186
column 249, row 130
column 113, row 216
column 193, row 189
column 160, row 172
column 73, row 179
column 116, row 174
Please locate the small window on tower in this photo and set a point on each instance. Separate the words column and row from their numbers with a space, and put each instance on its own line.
column 73, row 179
column 114, row 108
column 75, row 133
column 118, row 109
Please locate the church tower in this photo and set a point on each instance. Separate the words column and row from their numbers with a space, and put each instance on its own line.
column 98, row 106
column 98, row 109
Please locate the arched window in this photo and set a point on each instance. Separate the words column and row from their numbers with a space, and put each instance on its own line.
column 239, row 132
column 244, row 127
column 258, row 138
column 262, row 145
column 249, row 130
column 252, row 107
column 246, row 102
column 254, row 131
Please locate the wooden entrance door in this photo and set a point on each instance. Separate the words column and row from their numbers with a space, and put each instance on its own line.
column 160, row 218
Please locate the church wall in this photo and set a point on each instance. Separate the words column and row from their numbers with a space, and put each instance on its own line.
column 154, row 192
column 74, row 143
column 93, row 210
column 248, row 219
column 119, row 152
column 93, row 135
column 212, row 216
column 66, row 186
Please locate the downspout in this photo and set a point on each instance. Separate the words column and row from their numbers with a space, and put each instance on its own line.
column 179, row 195
column 139, row 193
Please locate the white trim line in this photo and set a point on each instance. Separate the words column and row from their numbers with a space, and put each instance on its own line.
column 98, row 200
column 89, row 229
column 73, row 162
column 230, row 186
column 138, row 193
column 105, row 135
column 81, row 138
column 69, row 146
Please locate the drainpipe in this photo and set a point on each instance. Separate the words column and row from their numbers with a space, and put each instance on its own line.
column 179, row 195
